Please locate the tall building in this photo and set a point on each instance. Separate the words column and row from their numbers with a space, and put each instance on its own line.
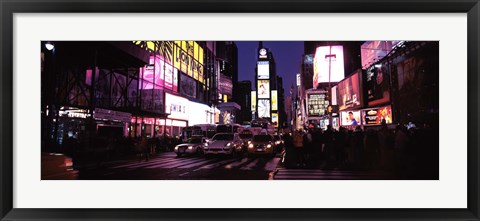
column 243, row 92
column 289, row 109
column 267, row 87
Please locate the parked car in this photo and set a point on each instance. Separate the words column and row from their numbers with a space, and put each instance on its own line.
column 193, row 145
column 224, row 143
column 262, row 144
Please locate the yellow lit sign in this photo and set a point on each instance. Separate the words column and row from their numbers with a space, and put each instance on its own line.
column 274, row 100
column 254, row 101
column 186, row 56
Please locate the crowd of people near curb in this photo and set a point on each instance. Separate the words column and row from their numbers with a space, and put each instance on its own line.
column 405, row 152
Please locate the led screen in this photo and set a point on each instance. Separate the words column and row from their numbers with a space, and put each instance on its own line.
column 263, row 108
column 263, row 70
column 328, row 65
column 254, row 101
column 263, row 88
column 375, row 116
column 350, row 118
column 274, row 100
column 349, row 92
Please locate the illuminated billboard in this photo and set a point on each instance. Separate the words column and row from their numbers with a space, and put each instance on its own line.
column 263, row 88
column 350, row 118
column 275, row 119
column 375, row 116
column 263, row 108
column 316, row 104
column 263, row 70
column 225, row 85
column 254, row 101
column 328, row 65
column 176, row 106
column 377, row 85
column 373, row 51
column 156, row 72
column 274, row 100
column 350, row 92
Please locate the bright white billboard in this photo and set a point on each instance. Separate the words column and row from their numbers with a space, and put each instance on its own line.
column 263, row 70
column 328, row 65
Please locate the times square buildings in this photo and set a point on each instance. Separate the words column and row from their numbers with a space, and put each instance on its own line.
column 135, row 88
column 362, row 84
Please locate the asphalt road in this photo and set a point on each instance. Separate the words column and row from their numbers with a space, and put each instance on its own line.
column 167, row 166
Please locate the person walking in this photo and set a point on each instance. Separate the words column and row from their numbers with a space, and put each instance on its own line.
column 298, row 142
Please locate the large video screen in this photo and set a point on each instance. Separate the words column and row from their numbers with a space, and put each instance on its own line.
column 263, row 70
column 349, row 92
column 317, row 104
column 375, row 116
column 328, row 65
column 377, row 85
column 263, row 88
column 254, row 100
column 263, row 108
column 350, row 118
column 274, row 100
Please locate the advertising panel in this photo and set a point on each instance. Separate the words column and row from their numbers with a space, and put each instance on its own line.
column 377, row 85
column 349, row 92
column 350, row 118
column 263, row 70
column 263, row 108
column 375, row 116
column 263, row 88
column 328, row 65
column 274, row 100
column 316, row 105
column 275, row 119
column 188, row 86
column 176, row 106
column 188, row 58
column 254, row 100
column 225, row 85
column 373, row 51
column 298, row 80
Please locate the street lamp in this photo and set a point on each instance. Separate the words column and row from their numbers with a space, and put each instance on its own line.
column 49, row 46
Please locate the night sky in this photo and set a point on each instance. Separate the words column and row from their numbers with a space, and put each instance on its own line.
column 287, row 54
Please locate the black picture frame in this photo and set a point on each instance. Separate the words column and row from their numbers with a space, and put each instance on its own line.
column 9, row 7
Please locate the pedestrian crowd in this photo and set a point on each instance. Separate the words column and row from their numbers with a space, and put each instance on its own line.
column 406, row 152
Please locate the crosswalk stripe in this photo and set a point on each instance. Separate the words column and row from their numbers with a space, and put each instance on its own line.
column 232, row 165
column 152, row 162
column 136, row 162
column 175, row 160
column 294, row 174
column 183, row 164
column 177, row 164
column 197, row 164
column 250, row 165
column 221, row 163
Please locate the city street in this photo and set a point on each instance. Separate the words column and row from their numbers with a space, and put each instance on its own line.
column 169, row 166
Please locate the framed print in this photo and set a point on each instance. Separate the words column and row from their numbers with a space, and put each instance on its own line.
column 239, row 110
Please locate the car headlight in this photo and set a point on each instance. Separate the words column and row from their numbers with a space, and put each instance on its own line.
column 229, row 144
column 250, row 146
column 176, row 147
column 190, row 147
column 269, row 145
column 249, row 142
column 206, row 144
column 277, row 142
